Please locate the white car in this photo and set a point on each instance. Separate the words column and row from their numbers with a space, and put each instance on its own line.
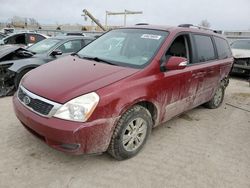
column 23, row 39
column 241, row 54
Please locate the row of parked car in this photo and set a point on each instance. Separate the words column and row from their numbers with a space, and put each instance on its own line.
column 108, row 95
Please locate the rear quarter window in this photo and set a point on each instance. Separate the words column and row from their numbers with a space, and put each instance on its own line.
column 223, row 48
column 204, row 48
column 34, row 38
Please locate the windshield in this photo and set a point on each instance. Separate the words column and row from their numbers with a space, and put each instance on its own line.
column 126, row 47
column 43, row 46
column 241, row 44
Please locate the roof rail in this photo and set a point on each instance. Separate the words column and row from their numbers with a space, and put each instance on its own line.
column 197, row 26
column 142, row 24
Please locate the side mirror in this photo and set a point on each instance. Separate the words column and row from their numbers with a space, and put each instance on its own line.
column 56, row 52
column 176, row 63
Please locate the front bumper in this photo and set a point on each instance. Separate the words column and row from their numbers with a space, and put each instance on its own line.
column 71, row 137
column 241, row 66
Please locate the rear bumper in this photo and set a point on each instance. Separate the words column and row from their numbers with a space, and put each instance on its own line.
column 71, row 137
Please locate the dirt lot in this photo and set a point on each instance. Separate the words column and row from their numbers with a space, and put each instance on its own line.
column 201, row 148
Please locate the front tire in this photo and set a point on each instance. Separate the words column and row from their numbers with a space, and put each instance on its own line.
column 131, row 133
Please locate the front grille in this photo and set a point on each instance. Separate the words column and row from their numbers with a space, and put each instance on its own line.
column 244, row 62
column 37, row 105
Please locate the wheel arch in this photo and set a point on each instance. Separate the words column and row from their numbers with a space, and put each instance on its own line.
column 149, row 105
column 28, row 67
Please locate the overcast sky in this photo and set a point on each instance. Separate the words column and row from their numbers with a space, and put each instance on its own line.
column 221, row 14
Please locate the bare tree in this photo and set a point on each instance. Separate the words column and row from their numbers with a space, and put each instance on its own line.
column 18, row 21
column 205, row 23
column 24, row 22
column 33, row 22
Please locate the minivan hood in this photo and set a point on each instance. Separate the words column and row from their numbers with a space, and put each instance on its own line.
column 69, row 77
column 241, row 53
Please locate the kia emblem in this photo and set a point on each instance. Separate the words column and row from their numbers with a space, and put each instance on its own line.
column 26, row 100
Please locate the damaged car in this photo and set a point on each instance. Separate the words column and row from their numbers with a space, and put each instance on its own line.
column 15, row 61
column 241, row 53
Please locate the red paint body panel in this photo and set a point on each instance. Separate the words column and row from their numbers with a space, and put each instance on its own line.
column 171, row 92
column 93, row 137
column 67, row 78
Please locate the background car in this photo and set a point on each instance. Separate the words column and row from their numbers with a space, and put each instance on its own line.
column 16, row 61
column 94, row 34
column 241, row 53
column 23, row 39
column 2, row 36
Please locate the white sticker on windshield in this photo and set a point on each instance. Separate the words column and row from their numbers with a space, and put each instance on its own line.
column 149, row 36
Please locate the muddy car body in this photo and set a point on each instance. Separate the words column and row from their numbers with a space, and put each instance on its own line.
column 109, row 95
column 241, row 54
column 16, row 61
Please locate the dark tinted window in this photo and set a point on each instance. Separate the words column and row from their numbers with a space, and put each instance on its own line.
column 205, row 48
column 15, row 39
column 222, row 48
column 178, row 48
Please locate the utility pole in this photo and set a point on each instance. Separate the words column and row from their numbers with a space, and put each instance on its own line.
column 125, row 13
column 87, row 13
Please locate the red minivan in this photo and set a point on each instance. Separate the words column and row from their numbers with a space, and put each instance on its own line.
column 109, row 95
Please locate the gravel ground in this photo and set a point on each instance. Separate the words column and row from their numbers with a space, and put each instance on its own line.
column 201, row 148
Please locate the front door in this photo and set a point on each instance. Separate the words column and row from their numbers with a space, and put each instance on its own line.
column 178, row 90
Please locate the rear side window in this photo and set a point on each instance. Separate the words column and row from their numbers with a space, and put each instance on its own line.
column 223, row 48
column 204, row 47
column 34, row 38
column 16, row 39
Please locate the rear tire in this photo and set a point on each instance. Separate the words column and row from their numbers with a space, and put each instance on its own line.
column 217, row 99
column 131, row 133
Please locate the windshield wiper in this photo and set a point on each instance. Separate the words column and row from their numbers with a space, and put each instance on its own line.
column 76, row 54
column 99, row 60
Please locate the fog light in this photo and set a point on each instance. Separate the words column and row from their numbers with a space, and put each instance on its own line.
column 70, row 146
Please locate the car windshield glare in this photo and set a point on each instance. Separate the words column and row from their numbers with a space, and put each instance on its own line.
column 241, row 44
column 126, row 47
column 43, row 46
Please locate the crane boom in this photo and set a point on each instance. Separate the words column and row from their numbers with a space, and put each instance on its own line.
column 87, row 13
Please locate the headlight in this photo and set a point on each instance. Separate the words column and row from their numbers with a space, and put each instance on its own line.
column 78, row 109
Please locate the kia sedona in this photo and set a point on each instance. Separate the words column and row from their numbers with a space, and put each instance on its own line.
column 109, row 95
